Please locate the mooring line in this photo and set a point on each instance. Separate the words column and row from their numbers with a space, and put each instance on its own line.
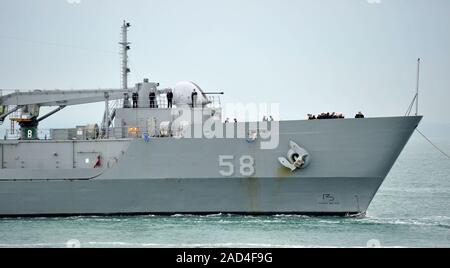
column 434, row 145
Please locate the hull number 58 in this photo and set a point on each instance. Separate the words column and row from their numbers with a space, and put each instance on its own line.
column 246, row 165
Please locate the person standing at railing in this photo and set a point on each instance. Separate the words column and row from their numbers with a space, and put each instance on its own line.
column 359, row 115
column 194, row 98
column 169, row 99
column 152, row 96
column 126, row 100
column 135, row 98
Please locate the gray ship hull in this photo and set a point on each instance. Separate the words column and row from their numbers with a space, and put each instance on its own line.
column 349, row 160
column 191, row 196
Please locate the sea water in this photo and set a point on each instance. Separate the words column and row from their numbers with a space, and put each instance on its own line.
column 411, row 209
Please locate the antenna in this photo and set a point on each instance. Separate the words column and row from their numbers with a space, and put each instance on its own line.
column 417, row 86
column 125, row 47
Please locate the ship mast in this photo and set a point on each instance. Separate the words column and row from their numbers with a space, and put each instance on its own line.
column 125, row 46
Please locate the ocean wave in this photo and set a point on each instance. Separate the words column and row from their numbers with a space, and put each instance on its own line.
column 429, row 190
column 439, row 221
column 118, row 244
column 196, row 245
column 33, row 245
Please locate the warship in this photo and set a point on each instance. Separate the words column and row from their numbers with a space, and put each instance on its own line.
column 171, row 152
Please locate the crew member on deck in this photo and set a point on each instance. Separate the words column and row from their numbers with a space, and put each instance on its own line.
column 194, row 98
column 126, row 100
column 152, row 97
column 135, row 98
column 359, row 115
column 169, row 99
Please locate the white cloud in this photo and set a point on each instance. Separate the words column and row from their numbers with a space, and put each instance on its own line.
column 74, row 2
column 372, row 2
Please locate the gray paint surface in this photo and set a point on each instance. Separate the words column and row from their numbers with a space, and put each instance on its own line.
column 349, row 160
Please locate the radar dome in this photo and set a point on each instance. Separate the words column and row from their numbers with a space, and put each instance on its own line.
column 182, row 94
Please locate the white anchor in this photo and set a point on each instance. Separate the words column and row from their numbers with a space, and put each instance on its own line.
column 297, row 157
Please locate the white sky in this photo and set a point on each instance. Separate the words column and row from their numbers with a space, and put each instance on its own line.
column 309, row 56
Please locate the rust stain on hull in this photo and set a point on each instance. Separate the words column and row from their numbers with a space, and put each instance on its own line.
column 252, row 188
column 283, row 172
